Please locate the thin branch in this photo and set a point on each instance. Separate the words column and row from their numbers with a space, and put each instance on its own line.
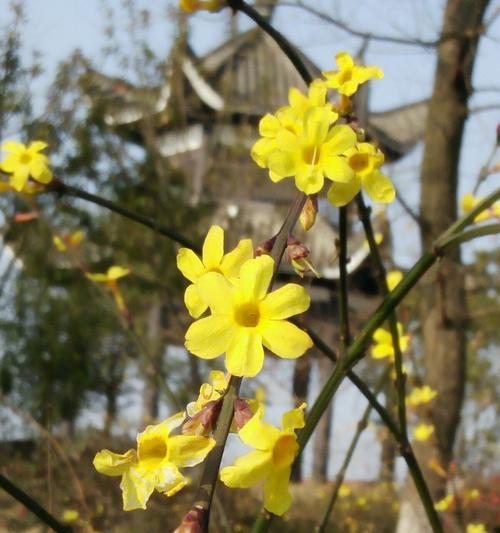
column 364, row 213
column 345, row 335
column 339, row 478
column 33, row 506
column 288, row 49
column 368, row 35
column 67, row 190
column 408, row 210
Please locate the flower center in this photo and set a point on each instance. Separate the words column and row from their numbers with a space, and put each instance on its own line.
column 24, row 158
column 284, row 451
column 152, row 449
column 311, row 154
column 247, row 315
column 345, row 76
column 359, row 162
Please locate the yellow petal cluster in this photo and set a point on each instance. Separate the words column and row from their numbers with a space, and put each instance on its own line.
column 190, row 6
column 68, row 242
column 469, row 201
column 383, row 343
column 421, row 395
column 305, row 140
column 444, row 503
column 213, row 260
column 110, row 280
column 364, row 160
column 393, row 278
column 244, row 318
column 156, row 462
column 25, row 162
column 209, row 392
column 476, row 528
column 422, row 432
column 348, row 77
column 271, row 461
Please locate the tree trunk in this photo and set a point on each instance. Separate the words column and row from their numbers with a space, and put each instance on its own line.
column 442, row 309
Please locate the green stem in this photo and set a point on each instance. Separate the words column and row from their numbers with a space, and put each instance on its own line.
column 364, row 213
column 33, row 506
column 67, row 190
column 480, row 231
column 321, row 528
column 357, row 348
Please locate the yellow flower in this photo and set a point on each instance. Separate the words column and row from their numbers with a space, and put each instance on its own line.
column 383, row 343
column 69, row 241
column 344, row 491
column 476, row 528
column 244, row 318
column 209, row 392
column 271, row 461
column 189, row 6
column 110, row 278
column 469, row 201
column 393, row 278
column 472, row 494
column 420, row 395
column 156, row 463
column 364, row 160
column 214, row 260
column 70, row 515
column 444, row 503
column 25, row 162
column 313, row 154
column 422, row 432
column 349, row 76
column 290, row 118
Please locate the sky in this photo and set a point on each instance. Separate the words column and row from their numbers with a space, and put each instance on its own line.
column 55, row 28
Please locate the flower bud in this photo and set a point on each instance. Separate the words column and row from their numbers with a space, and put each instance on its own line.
column 242, row 412
column 193, row 521
column 204, row 420
column 296, row 249
column 309, row 212
column 265, row 247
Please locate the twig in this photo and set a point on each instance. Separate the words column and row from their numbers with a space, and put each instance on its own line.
column 345, row 335
column 361, row 426
column 33, row 506
column 62, row 189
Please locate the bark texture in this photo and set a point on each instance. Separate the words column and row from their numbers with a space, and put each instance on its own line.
column 442, row 309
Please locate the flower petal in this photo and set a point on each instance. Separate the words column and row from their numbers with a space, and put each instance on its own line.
column 337, row 169
column 269, row 125
column 213, row 248
column 340, row 194
column 255, row 276
column 169, row 480
column 283, row 163
column 316, row 125
column 40, row 172
column 232, row 262
column 379, row 187
column 380, row 351
column 10, row 163
column 216, row 291
column 258, row 434
column 114, row 464
column 137, row 486
column 294, row 419
column 195, row 305
column 190, row 264
column 209, row 337
column 188, row 450
column 245, row 354
column 36, row 146
column 309, row 179
column 340, row 139
column 277, row 497
column 284, row 338
column 20, row 177
column 13, row 147
column 289, row 300
column 248, row 470
column 344, row 60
